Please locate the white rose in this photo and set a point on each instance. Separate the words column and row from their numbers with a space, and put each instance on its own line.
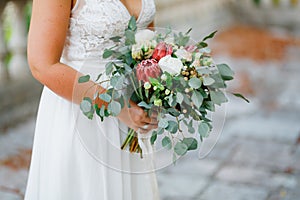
column 170, row 65
column 144, row 35
column 184, row 54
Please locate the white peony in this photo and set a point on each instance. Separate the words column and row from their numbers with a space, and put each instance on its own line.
column 184, row 54
column 171, row 65
column 144, row 35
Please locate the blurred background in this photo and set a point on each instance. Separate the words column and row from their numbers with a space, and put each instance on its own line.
column 258, row 154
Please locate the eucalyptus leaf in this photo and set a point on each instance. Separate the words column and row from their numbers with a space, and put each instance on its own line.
column 105, row 97
column 116, row 39
column 197, row 99
column 84, row 79
column 172, row 127
column 241, row 96
column 115, row 108
column 195, row 83
column 179, row 97
column 107, row 53
column 191, row 143
column 153, row 137
column 180, row 148
column 163, row 123
column 218, row 97
column 225, row 71
column 86, row 106
column 203, row 129
column 208, row 81
column 145, row 105
column 210, row 36
column 166, row 142
column 132, row 23
column 109, row 67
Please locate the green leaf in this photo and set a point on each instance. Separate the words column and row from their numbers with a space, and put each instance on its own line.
column 225, row 71
column 195, row 83
column 167, row 143
column 130, row 37
column 202, row 45
column 117, row 82
column 197, row 99
column 160, row 131
column 153, row 137
column 132, row 23
column 210, row 36
column 208, row 81
column 203, row 129
column 241, row 96
column 115, row 108
column 191, row 143
column 180, row 148
column 218, row 97
column 109, row 67
column 105, row 97
column 172, row 127
column 115, row 39
column 86, row 106
column 179, row 98
column 163, row 123
column 84, row 79
column 145, row 105
column 107, row 53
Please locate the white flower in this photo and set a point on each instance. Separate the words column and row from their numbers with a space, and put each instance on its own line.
column 144, row 35
column 171, row 65
column 164, row 77
column 184, row 54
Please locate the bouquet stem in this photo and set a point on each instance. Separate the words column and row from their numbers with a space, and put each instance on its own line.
column 132, row 141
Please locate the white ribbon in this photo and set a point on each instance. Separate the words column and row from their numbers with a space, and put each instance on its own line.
column 145, row 143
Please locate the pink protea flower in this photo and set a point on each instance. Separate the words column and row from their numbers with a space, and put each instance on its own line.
column 162, row 49
column 146, row 69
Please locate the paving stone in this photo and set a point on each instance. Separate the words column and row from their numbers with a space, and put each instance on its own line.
column 277, row 126
column 195, row 167
column 180, row 185
column 220, row 190
column 20, row 137
column 9, row 196
column 241, row 174
column 15, row 180
column 274, row 156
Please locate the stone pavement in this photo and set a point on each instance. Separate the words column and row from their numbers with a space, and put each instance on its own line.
column 256, row 158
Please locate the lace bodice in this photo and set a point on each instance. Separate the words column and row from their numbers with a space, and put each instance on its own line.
column 93, row 22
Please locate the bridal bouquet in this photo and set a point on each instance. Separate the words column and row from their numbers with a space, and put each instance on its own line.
column 167, row 73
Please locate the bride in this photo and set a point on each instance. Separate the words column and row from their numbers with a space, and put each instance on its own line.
column 75, row 158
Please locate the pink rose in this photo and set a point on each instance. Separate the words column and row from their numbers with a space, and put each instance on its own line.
column 146, row 69
column 162, row 49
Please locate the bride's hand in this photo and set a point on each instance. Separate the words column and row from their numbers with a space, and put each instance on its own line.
column 137, row 119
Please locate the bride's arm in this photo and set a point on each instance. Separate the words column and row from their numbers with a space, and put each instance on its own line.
column 48, row 29
column 47, row 34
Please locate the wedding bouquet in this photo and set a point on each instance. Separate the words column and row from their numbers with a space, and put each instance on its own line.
column 168, row 73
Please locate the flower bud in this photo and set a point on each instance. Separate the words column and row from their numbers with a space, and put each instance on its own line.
column 147, row 85
column 167, row 92
column 158, row 102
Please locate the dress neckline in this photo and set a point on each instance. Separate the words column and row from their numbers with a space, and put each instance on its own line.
column 127, row 11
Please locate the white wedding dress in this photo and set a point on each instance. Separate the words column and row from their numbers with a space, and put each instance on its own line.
column 75, row 158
